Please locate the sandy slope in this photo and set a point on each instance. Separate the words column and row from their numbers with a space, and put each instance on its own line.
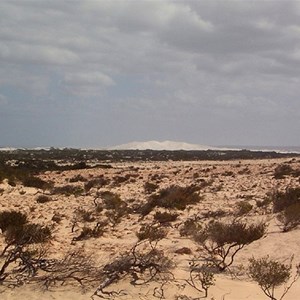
column 227, row 183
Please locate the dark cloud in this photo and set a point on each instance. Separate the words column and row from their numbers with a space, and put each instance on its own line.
column 107, row 72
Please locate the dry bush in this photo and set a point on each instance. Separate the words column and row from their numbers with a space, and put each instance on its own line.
column 220, row 242
column 264, row 203
column 151, row 232
column 282, row 170
column 201, row 277
column 43, row 199
column 243, row 207
column 75, row 266
column 36, row 182
column 190, row 227
column 11, row 219
column 219, row 213
column 95, row 232
column 27, row 234
column 77, row 178
column 290, row 217
column 84, row 215
column 150, row 187
column 270, row 274
column 113, row 201
column 96, row 183
column 117, row 208
column 18, row 263
column 173, row 197
column 282, row 200
column 68, row 190
column 144, row 263
column 165, row 217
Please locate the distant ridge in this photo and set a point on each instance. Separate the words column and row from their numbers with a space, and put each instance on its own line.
column 164, row 145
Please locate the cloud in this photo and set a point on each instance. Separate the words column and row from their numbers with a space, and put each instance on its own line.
column 169, row 60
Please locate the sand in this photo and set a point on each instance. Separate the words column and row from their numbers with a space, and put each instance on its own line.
column 224, row 184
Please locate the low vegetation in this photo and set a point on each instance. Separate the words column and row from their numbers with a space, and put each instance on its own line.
column 220, row 242
column 271, row 274
column 173, row 197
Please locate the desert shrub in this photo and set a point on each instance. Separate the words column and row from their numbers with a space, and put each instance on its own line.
column 43, row 199
column 84, row 215
column 11, row 182
column 151, row 232
column 36, row 182
column 270, row 274
column 117, row 208
column 282, row 170
column 178, row 197
column 263, row 203
column 27, row 234
column 173, row 197
column 88, row 232
column 243, row 207
column 57, row 218
column 81, row 215
column 112, row 200
column 190, row 227
column 290, row 217
column 144, row 263
column 146, row 208
column 165, row 217
column 150, row 187
column 121, row 179
column 282, row 200
column 220, row 241
column 214, row 213
column 76, row 266
column 68, row 190
column 77, row 178
column 11, row 219
column 95, row 182
column 201, row 277
column 228, row 173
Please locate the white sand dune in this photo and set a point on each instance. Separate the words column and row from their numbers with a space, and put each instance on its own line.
column 164, row 145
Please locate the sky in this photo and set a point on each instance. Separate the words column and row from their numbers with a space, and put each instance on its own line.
column 95, row 73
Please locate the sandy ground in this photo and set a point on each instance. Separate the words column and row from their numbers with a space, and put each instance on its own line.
column 224, row 184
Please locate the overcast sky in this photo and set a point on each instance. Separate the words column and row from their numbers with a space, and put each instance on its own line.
column 98, row 73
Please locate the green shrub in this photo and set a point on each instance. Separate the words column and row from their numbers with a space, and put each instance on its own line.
column 11, row 219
